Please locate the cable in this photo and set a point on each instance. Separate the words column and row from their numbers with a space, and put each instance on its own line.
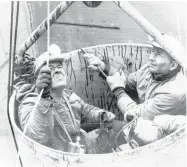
column 41, row 92
column 10, row 50
column 10, row 71
column 14, row 48
column 124, row 127
column 27, row 124
column 48, row 27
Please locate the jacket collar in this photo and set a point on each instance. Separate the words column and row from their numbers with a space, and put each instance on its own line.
column 163, row 77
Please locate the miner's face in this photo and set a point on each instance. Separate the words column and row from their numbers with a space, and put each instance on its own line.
column 58, row 74
column 160, row 62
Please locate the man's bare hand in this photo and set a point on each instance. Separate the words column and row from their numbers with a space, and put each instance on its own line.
column 108, row 118
column 130, row 115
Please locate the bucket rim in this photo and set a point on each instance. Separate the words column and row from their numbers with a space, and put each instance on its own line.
column 158, row 145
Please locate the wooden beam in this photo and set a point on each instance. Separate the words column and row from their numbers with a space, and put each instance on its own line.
column 39, row 31
column 177, row 52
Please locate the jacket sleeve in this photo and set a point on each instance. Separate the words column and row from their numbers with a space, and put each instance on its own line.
column 131, row 82
column 161, row 103
column 39, row 123
column 170, row 123
column 88, row 111
column 91, row 112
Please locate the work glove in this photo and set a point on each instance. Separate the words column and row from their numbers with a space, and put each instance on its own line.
column 118, row 80
column 108, row 119
column 94, row 62
column 44, row 82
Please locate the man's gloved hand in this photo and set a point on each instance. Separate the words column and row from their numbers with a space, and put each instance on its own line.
column 116, row 81
column 108, row 118
column 44, row 81
column 94, row 62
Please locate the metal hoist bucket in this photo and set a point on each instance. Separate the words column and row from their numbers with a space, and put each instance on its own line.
column 169, row 151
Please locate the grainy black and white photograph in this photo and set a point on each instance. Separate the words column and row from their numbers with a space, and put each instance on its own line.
column 93, row 83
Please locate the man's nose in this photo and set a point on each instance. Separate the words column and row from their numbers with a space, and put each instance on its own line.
column 152, row 56
column 57, row 70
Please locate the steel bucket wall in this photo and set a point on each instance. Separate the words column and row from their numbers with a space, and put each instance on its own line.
column 170, row 151
column 89, row 86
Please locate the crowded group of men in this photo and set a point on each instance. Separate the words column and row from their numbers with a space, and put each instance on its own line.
column 55, row 120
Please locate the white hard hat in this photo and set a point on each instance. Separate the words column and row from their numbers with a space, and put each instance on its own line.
column 170, row 40
column 53, row 54
column 175, row 47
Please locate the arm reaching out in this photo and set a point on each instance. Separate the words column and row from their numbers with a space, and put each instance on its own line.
column 89, row 111
column 160, row 103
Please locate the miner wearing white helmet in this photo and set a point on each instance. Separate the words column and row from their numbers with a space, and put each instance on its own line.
column 160, row 84
column 57, row 118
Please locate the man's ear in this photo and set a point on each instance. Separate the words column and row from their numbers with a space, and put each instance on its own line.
column 174, row 65
column 133, row 143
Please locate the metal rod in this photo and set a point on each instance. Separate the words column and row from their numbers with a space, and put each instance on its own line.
column 39, row 31
column 102, row 72
column 88, row 25
column 152, row 31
